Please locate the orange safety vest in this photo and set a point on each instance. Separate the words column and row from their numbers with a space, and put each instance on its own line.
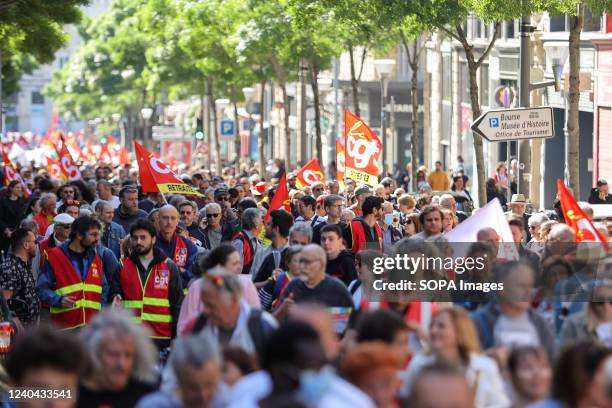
column 149, row 302
column 359, row 238
column 87, row 295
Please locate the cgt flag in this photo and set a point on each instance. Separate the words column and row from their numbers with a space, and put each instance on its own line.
column 340, row 161
column 70, row 170
column 309, row 174
column 280, row 201
column 362, row 150
column 576, row 219
column 54, row 168
column 11, row 173
column 155, row 176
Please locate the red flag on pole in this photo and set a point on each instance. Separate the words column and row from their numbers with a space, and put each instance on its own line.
column 124, row 157
column 69, row 168
column 280, row 201
column 309, row 174
column 155, row 176
column 11, row 173
column 576, row 219
column 340, row 161
column 54, row 168
column 362, row 149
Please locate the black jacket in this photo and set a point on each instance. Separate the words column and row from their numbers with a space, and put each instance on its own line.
column 594, row 198
column 342, row 267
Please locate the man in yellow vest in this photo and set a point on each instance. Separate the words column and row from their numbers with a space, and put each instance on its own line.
column 150, row 285
column 74, row 280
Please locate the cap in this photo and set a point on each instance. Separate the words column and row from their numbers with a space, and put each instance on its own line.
column 518, row 199
column 221, row 191
column 63, row 218
column 218, row 179
column 362, row 190
column 261, row 186
column 256, row 192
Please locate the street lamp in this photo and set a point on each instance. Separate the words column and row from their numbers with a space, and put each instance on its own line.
column 249, row 94
column 383, row 68
column 146, row 115
column 556, row 55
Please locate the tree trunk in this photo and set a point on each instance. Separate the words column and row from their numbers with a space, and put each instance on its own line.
column 237, row 151
column 573, row 125
column 286, row 124
column 354, row 82
column 204, row 117
column 261, row 140
column 217, row 145
column 314, row 73
column 473, row 66
column 413, row 60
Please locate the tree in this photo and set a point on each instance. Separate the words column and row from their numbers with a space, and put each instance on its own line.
column 31, row 33
column 266, row 46
column 316, row 39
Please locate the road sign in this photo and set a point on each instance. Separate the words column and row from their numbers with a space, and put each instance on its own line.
column 514, row 124
column 227, row 128
column 166, row 132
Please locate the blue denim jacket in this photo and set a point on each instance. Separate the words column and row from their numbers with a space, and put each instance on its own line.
column 113, row 233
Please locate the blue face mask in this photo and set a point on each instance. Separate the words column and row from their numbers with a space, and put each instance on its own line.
column 314, row 385
column 388, row 219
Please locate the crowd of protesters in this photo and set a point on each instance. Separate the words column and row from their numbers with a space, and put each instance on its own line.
column 129, row 298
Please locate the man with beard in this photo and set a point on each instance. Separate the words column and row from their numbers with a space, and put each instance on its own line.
column 128, row 212
column 188, row 211
column 181, row 250
column 74, row 281
column 150, row 285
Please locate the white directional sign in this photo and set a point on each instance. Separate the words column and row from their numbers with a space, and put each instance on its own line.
column 513, row 124
column 166, row 132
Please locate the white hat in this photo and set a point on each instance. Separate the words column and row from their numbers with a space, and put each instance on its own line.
column 63, row 218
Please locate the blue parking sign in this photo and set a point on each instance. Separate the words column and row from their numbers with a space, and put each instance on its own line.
column 494, row 122
column 227, row 128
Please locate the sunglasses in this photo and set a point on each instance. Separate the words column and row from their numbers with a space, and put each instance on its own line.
column 408, row 222
column 603, row 301
column 212, row 215
column 224, row 198
column 317, row 189
column 62, row 225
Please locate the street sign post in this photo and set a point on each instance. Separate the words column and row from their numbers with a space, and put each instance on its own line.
column 515, row 124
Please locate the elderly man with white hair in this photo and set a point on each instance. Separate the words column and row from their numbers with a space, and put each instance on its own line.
column 122, row 359
column 181, row 250
column 315, row 286
column 448, row 201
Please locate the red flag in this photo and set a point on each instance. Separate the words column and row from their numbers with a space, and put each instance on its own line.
column 155, row 176
column 105, row 155
column 111, row 141
column 10, row 174
column 309, row 174
column 70, row 170
column 280, row 201
column 54, row 168
column 577, row 219
column 362, row 150
column 124, row 157
column 340, row 161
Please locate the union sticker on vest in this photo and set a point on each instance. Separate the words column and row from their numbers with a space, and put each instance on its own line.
column 181, row 257
column 162, row 279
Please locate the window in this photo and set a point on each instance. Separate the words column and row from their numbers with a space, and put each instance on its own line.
column 37, row 98
column 484, row 85
column 446, row 77
column 592, row 22
column 510, row 31
column 557, row 23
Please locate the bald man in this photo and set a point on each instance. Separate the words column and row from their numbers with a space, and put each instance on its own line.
column 181, row 250
column 314, row 286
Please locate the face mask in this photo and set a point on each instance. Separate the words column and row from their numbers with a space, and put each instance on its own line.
column 388, row 219
column 314, row 385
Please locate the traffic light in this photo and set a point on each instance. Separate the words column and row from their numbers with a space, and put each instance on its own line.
column 199, row 135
